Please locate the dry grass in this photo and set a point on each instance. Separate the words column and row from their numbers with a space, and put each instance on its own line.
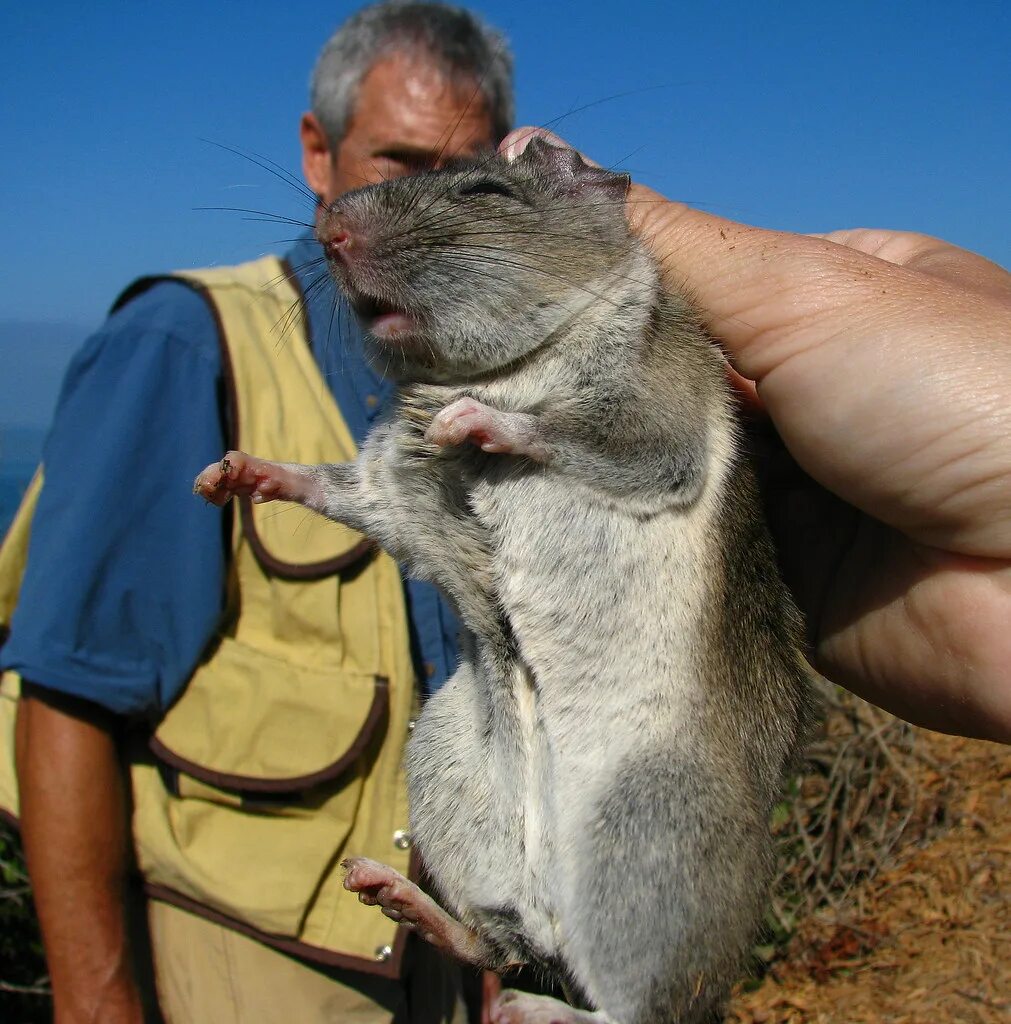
column 897, row 862
column 861, row 798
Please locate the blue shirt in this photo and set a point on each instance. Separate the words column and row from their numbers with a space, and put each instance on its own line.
column 125, row 580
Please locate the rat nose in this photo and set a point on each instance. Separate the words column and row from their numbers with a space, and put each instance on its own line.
column 337, row 244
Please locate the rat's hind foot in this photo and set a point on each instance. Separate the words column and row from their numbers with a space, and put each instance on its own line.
column 512, row 1007
column 505, row 433
column 402, row 901
column 238, row 473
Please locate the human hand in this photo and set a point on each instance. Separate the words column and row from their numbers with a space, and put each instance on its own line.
column 883, row 361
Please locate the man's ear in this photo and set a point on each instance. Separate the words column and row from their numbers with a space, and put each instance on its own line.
column 317, row 160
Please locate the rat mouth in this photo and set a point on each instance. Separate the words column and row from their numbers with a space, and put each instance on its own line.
column 384, row 320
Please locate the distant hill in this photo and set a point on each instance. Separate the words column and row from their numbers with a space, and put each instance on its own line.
column 33, row 357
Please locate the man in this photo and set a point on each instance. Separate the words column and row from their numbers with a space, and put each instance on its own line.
column 283, row 655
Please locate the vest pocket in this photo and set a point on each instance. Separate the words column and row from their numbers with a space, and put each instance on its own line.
column 269, row 760
column 252, row 722
column 263, row 867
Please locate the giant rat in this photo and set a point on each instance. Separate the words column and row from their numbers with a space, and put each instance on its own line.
column 590, row 792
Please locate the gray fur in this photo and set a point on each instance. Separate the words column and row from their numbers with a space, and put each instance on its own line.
column 463, row 46
column 591, row 790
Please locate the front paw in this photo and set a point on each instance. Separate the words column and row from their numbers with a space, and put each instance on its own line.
column 505, row 433
column 241, row 474
column 234, row 474
column 462, row 420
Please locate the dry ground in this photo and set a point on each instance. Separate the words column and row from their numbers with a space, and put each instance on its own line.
column 927, row 939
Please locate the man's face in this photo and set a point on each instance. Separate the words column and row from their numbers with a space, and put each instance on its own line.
column 408, row 117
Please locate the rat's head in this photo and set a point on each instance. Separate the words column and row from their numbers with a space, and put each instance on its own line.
column 457, row 272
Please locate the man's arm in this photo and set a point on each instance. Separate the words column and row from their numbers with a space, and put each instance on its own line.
column 106, row 623
column 74, row 824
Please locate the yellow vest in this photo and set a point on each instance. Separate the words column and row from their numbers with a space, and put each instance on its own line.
column 284, row 753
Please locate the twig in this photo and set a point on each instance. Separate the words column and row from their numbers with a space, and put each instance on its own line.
column 38, row 988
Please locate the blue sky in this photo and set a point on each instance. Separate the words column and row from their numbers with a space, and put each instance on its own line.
column 801, row 116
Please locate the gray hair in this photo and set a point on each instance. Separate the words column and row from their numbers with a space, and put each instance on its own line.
column 459, row 42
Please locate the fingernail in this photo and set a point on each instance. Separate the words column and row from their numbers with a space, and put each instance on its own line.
column 518, row 139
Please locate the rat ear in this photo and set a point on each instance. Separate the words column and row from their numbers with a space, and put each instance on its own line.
column 614, row 185
column 571, row 173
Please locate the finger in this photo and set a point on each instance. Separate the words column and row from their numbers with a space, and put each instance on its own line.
column 516, row 142
column 927, row 255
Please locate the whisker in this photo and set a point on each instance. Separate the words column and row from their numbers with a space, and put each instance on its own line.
column 271, row 167
column 259, row 215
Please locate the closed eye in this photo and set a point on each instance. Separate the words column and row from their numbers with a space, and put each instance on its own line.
column 486, row 188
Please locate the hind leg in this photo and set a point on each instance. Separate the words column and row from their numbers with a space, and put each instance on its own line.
column 404, row 902
column 662, row 905
column 524, row 1008
column 465, row 813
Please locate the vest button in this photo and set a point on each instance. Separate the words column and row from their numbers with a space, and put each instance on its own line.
column 402, row 839
column 411, row 724
column 383, row 953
